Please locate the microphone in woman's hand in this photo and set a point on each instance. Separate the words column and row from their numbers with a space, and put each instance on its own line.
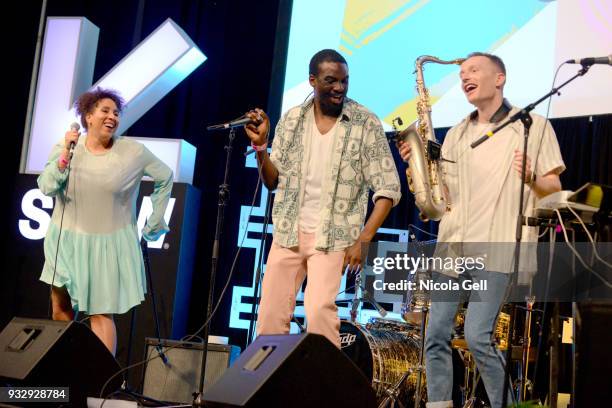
column 73, row 126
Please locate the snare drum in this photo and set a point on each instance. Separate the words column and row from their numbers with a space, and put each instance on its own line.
column 384, row 350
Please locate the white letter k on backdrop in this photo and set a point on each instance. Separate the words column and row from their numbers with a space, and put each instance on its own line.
column 143, row 77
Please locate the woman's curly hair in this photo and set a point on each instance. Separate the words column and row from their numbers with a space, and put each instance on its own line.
column 88, row 101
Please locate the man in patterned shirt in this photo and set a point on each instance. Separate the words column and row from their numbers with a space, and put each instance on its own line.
column 483, row 185
column 326, row 156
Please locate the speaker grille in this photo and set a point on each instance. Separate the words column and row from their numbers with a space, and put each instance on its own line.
column 177, row 381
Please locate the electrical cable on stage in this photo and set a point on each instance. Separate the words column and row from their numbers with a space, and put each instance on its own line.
column 571, row 247
column 590, row 237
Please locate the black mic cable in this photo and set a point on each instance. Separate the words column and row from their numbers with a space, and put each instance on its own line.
column 73, row 126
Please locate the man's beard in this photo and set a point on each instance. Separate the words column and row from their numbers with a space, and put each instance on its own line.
column 331, row 109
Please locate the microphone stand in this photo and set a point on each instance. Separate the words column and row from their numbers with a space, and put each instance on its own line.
column 367, row 297
column 125, row 386
column 364, row 296
column 524, row 116
column 224, row 190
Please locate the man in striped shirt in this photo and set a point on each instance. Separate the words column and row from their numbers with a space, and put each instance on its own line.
column 483, row 186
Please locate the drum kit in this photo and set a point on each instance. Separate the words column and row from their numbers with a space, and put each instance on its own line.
column 390, row 353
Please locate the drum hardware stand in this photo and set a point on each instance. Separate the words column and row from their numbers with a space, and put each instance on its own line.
column 393, row 392
column 365, row 297
column 421, row 367
column 522, row 384
column 523, row 379
column 424, row 309
column 472, row 377
column 471, row 403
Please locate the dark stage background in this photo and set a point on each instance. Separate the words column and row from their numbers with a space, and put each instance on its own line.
column 245, row 43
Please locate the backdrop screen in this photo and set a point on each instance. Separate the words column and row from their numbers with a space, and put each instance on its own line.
column 382, row 39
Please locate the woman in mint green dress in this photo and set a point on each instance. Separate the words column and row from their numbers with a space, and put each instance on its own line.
column 98, row 268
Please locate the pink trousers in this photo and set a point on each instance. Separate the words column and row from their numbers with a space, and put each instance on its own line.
column 284, row 274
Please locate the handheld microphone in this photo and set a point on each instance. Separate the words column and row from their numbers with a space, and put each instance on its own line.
column 234, row 123
column 591, row 61
column 73, row 126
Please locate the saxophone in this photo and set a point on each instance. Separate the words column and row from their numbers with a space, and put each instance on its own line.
column 425, row 180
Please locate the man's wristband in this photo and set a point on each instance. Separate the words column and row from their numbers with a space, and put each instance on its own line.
column 259, row 148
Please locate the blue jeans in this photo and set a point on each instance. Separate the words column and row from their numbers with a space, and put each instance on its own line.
column 480, row 317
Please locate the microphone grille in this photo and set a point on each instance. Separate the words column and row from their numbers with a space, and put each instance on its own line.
column 74, row 126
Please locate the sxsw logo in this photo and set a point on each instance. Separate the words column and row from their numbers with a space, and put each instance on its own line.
column 42, row 217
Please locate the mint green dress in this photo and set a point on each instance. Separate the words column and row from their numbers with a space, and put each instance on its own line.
column 99, row 260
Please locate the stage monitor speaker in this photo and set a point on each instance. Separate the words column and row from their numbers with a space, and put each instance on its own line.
column 47, row 353
column 177, row 380
column 593, row 356
column 296, row 371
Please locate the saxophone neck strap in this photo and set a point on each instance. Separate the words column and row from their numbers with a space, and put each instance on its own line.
column 499, row 115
